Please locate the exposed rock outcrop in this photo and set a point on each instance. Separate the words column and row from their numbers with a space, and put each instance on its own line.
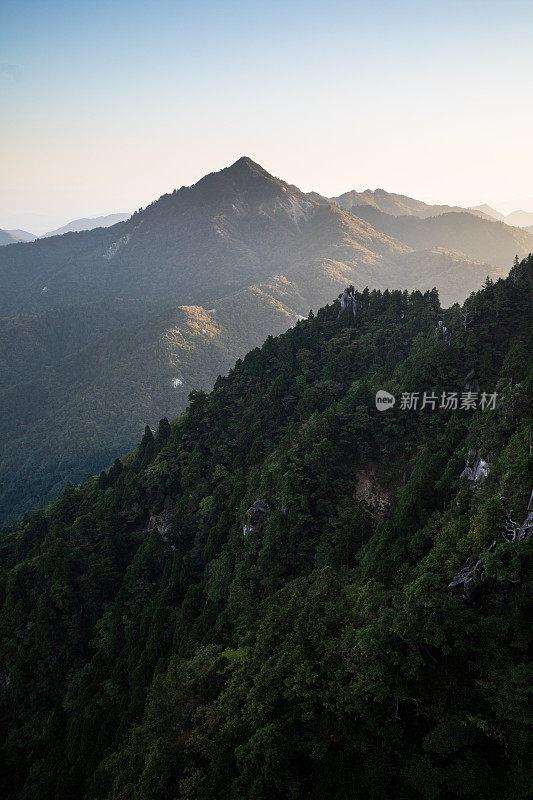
column 348, row 302
column 514, row 532
column 368, row 490
column 471, row 382
column 161, row 522
column 467, row 582
column 113, row 249
column 258, row 512
column 476, row 468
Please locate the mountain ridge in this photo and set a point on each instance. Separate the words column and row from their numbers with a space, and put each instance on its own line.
column 242, row 221
column 87, row 224
column 267, row 592
column 392, row 203
column 241, row 241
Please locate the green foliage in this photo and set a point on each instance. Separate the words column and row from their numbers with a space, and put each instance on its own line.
column 96, row 342
column 255, row 603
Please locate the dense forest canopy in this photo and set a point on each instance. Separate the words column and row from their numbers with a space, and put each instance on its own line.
column 256, row 602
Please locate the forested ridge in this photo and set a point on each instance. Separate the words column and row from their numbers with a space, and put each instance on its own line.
column 255, row 603
column 105, row 330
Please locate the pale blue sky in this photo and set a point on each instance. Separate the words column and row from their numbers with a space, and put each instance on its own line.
column 106, row 105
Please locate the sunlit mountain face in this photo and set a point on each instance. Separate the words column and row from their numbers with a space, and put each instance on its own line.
column 108, row 329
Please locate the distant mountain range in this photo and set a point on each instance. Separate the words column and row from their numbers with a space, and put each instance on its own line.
column 388, row 202
column 88, row 224
column 398, row 205
column 520, row 219
column 14, row 236
column 84, row 224
column 523, row 219
column 240, row 226
column 6, row 237
column 394, row 204
column 22, row 236
column 479, row 239
column 107, row 329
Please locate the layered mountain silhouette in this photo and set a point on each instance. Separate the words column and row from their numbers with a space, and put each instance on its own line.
column 108, row 329
column 14, row 236
column 477, row 238
column 233, row 228
column 87, row 224
column 7, row 237
column 488, row 212
column 520, row 219
column 75, row 226
column 395, row 204
column 523, row 219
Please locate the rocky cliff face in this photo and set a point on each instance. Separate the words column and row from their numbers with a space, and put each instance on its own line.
column 477, row 468
column 349, row 302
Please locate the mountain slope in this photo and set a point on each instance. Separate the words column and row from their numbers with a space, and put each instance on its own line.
column 81, row 306
column 256, row 603
column 87, row 224
column 456, row 274
column 480, row 239
column 229, row 230
column 488, row 211
column 522, row 219
column 7, row 237
column 79, row 384
column 16, row 236
column 12, row 237
column 398, row 204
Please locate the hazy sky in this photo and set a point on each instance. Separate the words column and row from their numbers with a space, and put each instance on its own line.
column 107, row 105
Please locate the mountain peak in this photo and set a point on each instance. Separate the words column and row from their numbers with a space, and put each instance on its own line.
column 246, row 164
column 239, row 173
column 245, row 161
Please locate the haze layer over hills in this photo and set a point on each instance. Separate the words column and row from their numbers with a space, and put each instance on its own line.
column 84, row 224
column 108, row 329
column 87, row 224
column 230, row 229
column 522, row 219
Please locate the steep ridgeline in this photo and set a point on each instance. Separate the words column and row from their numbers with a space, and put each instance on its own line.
column 230, row 230
column 266, row 599
column 106, row 330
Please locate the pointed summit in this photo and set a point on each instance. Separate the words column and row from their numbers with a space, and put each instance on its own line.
column 242, row 173
column 245, row 164
column 244, row 161
column 245, row 185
